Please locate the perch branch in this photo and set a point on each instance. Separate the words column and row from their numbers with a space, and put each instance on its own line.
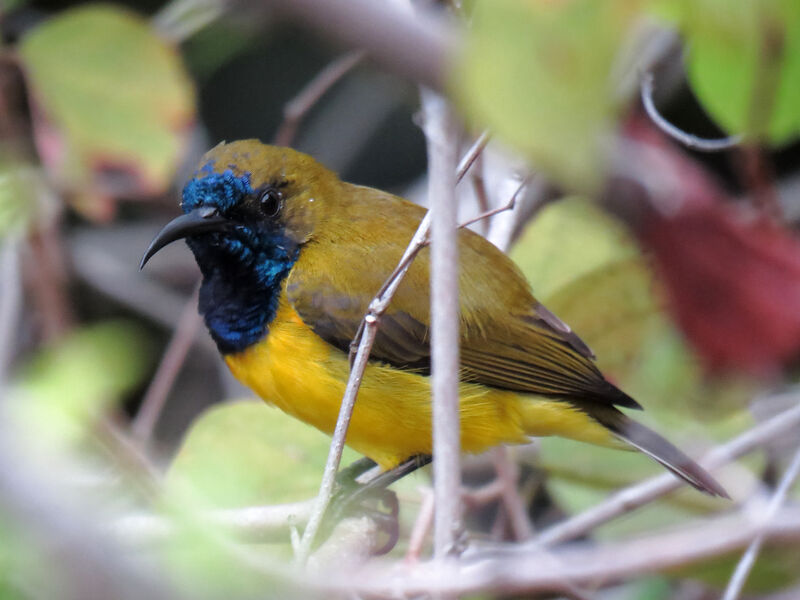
column 359, row 355
column 441, row 130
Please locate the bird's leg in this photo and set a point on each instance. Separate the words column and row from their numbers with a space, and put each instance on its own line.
column 346, row 478
column 371, row 497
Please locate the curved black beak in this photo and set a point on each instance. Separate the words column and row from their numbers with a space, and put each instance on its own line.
column 200, row 220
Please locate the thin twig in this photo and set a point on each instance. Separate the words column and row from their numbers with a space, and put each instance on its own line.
column 359, row 355
column 128, row 457
column 441, row 130
column 481, row 194
column 421, row 529
column 687, row 139
column 366, row 336
column 297, row 108
column 472, row 155
column 49, row 279
column 739, row 577
column 508, row 475
column 490, row 213
column 168, row 369
column 628, row 499
column 337, row 441
column 481, row 496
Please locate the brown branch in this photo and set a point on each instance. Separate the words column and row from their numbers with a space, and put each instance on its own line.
column 168, row 369
column 508, row 476
column 128, row 457
column 419, row 46
column 49, row 281
column 519, row 568
column 297, row 108
column 421, row 529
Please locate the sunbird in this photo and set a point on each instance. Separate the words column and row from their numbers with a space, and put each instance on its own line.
column 290, row 258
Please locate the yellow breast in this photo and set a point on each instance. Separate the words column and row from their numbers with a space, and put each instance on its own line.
column 304, row 376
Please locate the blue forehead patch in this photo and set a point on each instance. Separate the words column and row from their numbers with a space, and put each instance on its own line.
column 222, row 190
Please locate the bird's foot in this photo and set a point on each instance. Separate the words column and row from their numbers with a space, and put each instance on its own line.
column 372, row 499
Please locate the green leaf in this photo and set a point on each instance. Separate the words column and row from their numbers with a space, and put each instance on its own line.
column 613, row 309
column 776, row 568
column 743, row 62
column 539, row 75
column 113, row 105
column 67, row 387
column 568, row 239
column 247, row 453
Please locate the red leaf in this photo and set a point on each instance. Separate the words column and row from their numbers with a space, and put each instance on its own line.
column 734, row 286
column 732, row 279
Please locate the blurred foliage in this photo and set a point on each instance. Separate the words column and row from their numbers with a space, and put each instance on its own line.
column 586, row 268
column 539, row 74
column 776, row 568
column 743, row 62
column 113, row 105
column 546, row 76
column 71, row 384
column 244, row 453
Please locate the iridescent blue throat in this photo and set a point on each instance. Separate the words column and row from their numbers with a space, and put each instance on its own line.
column 242, row 271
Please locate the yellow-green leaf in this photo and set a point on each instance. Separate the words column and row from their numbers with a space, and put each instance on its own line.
column 247, row 453
column 66, row 387
column 743, row 61
column 112, row 104
column 568, row 239
column 539, row 74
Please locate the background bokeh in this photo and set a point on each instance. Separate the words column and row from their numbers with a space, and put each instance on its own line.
column 123, row 430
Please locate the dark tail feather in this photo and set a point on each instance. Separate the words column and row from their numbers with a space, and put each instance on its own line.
column 658, row 448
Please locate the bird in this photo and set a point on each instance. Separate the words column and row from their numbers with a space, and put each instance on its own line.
column 291, row 256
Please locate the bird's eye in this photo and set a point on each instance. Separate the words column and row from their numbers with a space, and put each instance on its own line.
column 270, row 202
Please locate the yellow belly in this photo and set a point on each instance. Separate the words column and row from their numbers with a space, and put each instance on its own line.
column 304, row 376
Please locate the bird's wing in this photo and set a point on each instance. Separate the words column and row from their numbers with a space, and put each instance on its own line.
column 508, row 339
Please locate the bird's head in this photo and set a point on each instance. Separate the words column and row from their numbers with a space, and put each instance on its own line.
column 248, row 202
column 247, row 211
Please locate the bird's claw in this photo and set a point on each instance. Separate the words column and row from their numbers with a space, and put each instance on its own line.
column 379, row 504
